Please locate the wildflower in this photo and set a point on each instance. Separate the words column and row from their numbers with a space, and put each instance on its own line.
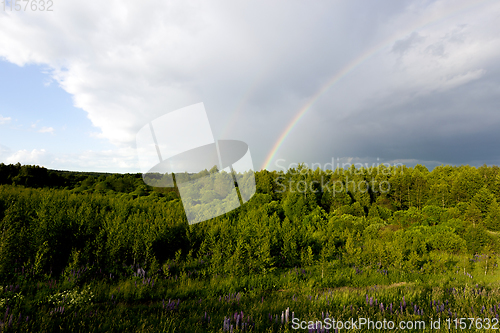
column 226, row 325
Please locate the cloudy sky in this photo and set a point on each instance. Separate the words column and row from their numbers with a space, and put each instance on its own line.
column 298, row 81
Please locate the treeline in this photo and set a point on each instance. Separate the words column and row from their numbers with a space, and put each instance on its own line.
column 33, row 176
column 36, row 176
column 296, row 218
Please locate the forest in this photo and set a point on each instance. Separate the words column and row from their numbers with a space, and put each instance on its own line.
column 92, row 252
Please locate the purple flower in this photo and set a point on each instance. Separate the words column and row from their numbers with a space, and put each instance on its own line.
column 6, row 314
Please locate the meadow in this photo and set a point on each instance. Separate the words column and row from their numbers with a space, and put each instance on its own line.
column 105, row 253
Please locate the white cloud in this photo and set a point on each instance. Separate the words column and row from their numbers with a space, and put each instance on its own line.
column 403, row 45
column 4, row 120
column 35, row 157
column 119, row 160
column 46, row 130
column 125, row 67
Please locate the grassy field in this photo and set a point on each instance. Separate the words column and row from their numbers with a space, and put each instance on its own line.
column 134, row 300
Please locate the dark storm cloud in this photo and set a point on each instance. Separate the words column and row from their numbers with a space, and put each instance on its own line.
column 453, row 127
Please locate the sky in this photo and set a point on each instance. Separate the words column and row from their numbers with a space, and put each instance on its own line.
column 370, row 82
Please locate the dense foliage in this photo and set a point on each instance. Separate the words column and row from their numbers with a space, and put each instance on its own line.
column 303, row 232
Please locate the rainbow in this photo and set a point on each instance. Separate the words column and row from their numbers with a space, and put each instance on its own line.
column 352, row 66
column 343, row 72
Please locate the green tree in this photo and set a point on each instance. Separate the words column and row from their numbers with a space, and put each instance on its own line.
column 419, row 185
column 482, row 200
column 357, row 209
column 467, row 183
column 306, row 256
column 473, row 214
column 432, row 214
column 492, row 221
column 289, row 249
